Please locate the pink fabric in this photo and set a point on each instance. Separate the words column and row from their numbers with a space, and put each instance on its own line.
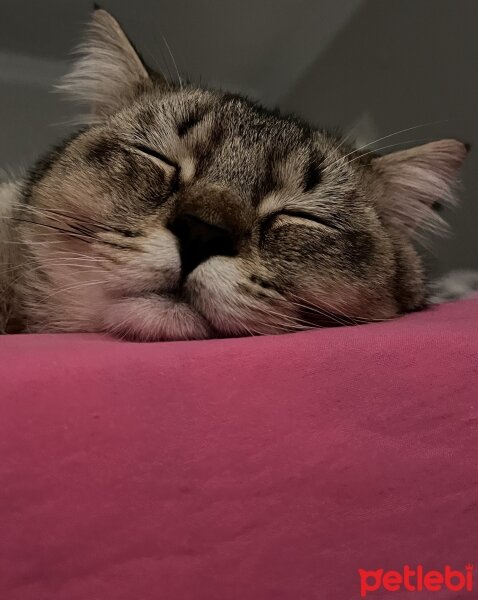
column 247, row 469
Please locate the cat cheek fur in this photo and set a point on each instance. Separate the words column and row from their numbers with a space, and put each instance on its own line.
column 151, row 264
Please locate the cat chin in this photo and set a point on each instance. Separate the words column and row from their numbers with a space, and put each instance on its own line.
column 154, row 318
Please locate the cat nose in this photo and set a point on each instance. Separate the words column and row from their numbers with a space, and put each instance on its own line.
column 199, row 240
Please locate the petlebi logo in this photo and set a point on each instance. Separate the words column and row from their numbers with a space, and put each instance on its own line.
column 416, row 579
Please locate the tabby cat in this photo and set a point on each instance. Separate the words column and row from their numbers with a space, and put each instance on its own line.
column 178, row 212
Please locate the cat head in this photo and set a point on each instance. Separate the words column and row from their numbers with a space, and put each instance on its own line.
column 179, row 212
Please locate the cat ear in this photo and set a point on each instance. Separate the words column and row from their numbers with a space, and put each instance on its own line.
column 109, row 72
column 413, row 181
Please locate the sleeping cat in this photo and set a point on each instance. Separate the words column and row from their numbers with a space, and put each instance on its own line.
column 177, row 212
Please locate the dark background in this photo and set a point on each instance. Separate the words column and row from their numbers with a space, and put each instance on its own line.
column 372, row 67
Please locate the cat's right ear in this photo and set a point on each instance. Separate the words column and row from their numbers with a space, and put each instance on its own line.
column 412, row 182
column 109, row 72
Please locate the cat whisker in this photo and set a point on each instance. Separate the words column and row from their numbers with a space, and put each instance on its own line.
column 355, row 319
column 289, row 321
column 76, row 286
column 32, row 243
column 50, row 213
column 33, row 267
column 312, row 308
column 69, row 215
column 267, row 327
column 30, row 222
column 174, row 62
column 385, row 137
column 336, row 314
column 344, row 162
column 80, row 234
column 415, row 141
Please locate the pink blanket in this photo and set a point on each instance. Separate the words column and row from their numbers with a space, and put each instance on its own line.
column 269, row 468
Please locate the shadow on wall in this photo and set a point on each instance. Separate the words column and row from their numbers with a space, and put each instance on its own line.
column 406, row 63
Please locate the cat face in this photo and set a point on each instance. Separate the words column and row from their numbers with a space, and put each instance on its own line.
column 182, row 213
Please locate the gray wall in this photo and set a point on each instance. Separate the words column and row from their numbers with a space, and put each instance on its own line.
column 373, row 66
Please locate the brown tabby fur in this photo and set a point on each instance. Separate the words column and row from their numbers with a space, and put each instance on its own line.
column 312, row 231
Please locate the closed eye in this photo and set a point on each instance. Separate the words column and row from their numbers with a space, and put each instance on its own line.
column 156, row 154
column 296, row 214
column 300, row 214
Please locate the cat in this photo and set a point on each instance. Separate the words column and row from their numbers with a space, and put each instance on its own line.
column 177, row 212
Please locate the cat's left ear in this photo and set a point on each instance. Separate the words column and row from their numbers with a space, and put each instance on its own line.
column 109, row 72
column 410, row 183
